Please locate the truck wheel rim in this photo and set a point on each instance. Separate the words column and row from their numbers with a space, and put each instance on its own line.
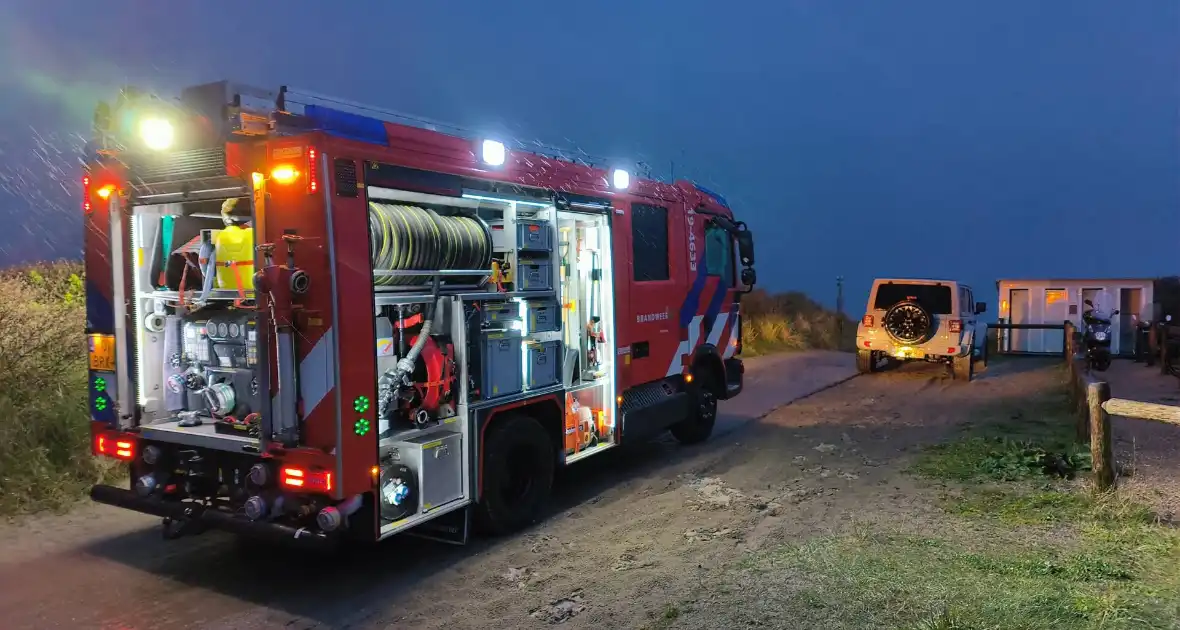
column 708, row 406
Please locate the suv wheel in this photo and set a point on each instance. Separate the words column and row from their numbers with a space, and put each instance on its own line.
column 963, row 368
column 866, row 361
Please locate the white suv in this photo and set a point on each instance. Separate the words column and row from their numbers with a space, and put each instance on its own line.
column 919, row 320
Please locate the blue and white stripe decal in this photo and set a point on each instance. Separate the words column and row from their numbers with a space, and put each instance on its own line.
column 692, row 301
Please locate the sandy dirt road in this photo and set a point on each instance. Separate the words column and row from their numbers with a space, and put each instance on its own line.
column 99, row 567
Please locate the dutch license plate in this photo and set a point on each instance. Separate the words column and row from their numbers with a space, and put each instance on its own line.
column 902, row 353
column 102, row 353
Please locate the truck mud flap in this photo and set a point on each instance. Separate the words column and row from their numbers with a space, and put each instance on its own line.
column 198, row 514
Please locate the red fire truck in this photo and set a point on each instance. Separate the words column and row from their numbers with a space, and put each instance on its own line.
column 312, row 320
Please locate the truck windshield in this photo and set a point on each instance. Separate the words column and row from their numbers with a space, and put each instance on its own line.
column 934, row 298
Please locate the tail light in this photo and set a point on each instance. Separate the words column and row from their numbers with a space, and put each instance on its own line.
column 313, row 183
column 867, row 320
column 956, row 325
column 295, row 478
column 118, row 447
column 86, row 194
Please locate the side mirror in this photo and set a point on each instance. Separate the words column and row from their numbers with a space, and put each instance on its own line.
column 980, row 307
column 745, row 246
column 749, row 277
column 1088, row 303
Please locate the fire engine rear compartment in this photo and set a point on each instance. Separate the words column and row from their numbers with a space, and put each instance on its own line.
column 539, row 327
column 542, row 323
column 195, row 330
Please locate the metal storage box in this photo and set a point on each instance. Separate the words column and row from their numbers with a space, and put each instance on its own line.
column 543, row 316
column 502, row 371
column 500, row 314
column 543, row 363
column 534, row 275
column 437, row 459
column 532, row 236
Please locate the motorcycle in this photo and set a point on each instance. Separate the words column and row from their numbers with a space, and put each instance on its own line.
column 1097, row 337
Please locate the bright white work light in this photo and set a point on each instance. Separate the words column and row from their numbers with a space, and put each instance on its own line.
column 156, row 133
column 621, row 179
column 493, row 153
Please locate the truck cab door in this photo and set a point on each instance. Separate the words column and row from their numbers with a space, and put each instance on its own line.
column 655, row 280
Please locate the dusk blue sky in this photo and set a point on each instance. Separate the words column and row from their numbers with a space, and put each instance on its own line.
column 857, row 137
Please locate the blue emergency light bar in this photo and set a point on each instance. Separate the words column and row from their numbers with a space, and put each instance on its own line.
column 721, row 200
column 346, row 124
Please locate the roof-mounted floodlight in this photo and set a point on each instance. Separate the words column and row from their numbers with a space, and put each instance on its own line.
column 621, row 179
column 157, row 133
column 494, row 153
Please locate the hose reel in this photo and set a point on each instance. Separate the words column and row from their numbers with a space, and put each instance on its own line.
column 407, row 238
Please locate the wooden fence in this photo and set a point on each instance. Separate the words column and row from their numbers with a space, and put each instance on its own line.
column 1093, row 405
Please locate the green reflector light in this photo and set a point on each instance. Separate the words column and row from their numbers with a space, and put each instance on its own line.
column 361, row 427
column 100, row 403
column 361, row 404
column 100, row 384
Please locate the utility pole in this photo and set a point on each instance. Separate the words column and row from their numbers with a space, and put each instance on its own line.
column 840, row 308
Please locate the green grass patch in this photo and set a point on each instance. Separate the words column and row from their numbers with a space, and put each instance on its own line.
column 1018, row 546
column 967, row 579
column 1010, row 443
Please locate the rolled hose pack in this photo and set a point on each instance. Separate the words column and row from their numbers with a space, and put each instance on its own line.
column 404, row 237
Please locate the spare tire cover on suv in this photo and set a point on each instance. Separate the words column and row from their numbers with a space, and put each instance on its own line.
column 908, row 322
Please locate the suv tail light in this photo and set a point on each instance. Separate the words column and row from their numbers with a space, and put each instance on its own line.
column 867, row 321
column 956, row 325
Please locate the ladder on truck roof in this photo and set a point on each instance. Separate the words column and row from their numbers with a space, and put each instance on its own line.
column 256, row 111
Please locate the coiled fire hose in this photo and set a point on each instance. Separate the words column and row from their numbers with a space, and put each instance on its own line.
column 405, row 238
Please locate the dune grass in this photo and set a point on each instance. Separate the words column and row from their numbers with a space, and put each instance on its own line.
column 791, row 321
column 45, row 460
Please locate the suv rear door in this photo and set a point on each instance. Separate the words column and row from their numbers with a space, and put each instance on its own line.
column 967, row 314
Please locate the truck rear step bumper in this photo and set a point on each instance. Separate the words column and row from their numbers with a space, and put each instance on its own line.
column 212, row 518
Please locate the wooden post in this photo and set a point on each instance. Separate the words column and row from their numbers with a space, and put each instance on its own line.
column 1152, row 343
column 1101, row 441
column 1163, row 339
column 987, row 342
column 1067, row 344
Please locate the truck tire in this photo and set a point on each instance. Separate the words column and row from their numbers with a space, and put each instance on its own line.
column 518, row 464
column 702, row 414
column 866, row 361
column 963, row 368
